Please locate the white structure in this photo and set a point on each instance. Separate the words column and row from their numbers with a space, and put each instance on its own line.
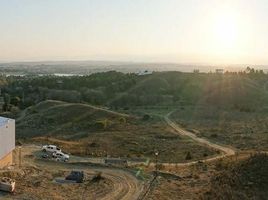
column 7, row 141
column 219, row 71
column 145, row 72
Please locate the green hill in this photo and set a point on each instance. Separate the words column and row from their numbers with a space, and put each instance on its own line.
column 117, row 90
column 57, row 117
column 82, row 129
column 175, row 88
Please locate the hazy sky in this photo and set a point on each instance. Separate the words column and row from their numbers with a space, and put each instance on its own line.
column 185, row 31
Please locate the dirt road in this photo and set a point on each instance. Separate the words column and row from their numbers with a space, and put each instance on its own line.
column 104, row 109
column 225, row 150
column 116, row 183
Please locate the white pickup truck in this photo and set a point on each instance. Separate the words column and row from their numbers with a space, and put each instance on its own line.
column 60, row 156
column 51, row 148
column 55, row 152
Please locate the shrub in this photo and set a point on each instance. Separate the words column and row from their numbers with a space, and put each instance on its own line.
column 122, row 120
column 146, row 117
column 188, row 156
column 214, row 135
column 205, row 154
column 97, row 177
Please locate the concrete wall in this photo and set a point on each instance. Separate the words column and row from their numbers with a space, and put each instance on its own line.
column 7, row 139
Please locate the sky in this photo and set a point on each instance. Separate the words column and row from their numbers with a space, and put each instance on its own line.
column 181, row 31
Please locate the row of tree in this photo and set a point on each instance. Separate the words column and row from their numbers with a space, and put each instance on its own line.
column 120, row 90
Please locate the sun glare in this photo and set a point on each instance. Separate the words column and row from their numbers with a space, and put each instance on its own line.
column 225, row 33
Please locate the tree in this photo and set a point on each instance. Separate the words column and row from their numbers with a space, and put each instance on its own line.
column 6, row 106
column 6, row 99
column 252, row 70
column 146, row 117
column 248, row 69
column 15, row 101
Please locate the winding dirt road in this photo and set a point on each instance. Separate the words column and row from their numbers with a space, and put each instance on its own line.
column 226, row 151
column 122, row 184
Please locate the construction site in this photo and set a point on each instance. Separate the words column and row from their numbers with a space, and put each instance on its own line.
column 33, row 171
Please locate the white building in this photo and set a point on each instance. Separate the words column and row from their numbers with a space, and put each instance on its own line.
column 145, row 72
column 219, row 71
column 7, row 141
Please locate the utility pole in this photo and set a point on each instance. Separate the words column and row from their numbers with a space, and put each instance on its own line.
column 19, row 156
column 156, row 153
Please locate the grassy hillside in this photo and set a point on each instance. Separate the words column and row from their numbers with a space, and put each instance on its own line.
column 227, row 108
column 245, row 180
column 243, row 177
column 57, row 117
column 246, row 129
column 87, row 130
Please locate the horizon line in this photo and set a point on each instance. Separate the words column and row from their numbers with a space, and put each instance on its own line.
column 132, row 62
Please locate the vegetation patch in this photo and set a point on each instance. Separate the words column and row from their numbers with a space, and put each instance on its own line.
column 244, row 180
column 243, row 130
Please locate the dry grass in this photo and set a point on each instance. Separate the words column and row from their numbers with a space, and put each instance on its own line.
column 38, row 183
column 245, row 180
column 83, row 130
column 243, row 130
column 131, row 141
column 241, row 177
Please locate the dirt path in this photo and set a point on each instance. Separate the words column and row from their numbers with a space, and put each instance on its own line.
column 123, row 184
column 104, row 109
column 225, row 150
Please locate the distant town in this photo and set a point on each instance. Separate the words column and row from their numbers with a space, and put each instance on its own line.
column 71, row 68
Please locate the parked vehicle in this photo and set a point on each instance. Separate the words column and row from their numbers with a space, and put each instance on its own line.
column 7, row 184
column 51, row 148
column 60, row 156
column 77, row 176
column 45, row 156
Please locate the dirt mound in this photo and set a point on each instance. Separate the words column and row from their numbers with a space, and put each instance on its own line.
column 245, row 180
